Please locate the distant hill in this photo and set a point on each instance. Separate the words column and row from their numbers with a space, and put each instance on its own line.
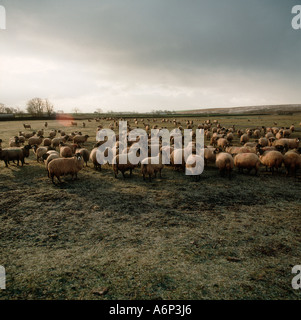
column 268, row 109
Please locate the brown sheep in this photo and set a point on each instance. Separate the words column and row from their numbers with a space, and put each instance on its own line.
column 271, row 159
column 224, row 162
column 247, row 161
column 292, row 162
column 65, row 152
column 149, row 167
column 122, row 167
column 64, row 166
column 12, row 154
column 80, row 139
column 35, row 140
column 244, row 138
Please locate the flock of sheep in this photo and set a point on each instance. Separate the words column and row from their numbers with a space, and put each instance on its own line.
column 64, row 154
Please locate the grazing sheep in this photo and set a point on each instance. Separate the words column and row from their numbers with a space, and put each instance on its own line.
column 244, row 138
column 80, row 139
column 263, row 142
column 12, row 154
column 56, row 141
column 64, row 166
column 230, row 137
column 35, row 140
column 177, row 159
column 236, row 150
column 46, row 124
column 65, row 151
column 40, row 151
column 93, row 158
column 194, row 166
column 47, row 142
column 48, row 157
column 224, row 162
column 222, row 143
column 292, row 162
column 26, row 126
column 290, row 143
column 247, row 161
column 52, row 134
column 122, row 167
column 271, row 159
column 152, row 165
column 14, row 142
column 209, row 155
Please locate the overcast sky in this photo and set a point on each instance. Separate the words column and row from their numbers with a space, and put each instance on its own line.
column 143, row 55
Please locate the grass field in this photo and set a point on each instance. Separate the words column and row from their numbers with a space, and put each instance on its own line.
column 174, row 238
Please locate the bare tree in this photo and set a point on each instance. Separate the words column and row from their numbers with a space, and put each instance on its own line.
column 48, row 107
column 76, row 110
column 35, row 106
column 99, row 110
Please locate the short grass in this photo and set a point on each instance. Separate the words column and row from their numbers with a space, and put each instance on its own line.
column 106, row 238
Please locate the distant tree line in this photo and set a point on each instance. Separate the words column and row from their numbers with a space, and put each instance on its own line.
column 9, row 110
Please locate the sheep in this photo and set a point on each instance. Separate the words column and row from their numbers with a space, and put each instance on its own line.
column 177, row 159
column 64, row 166
column 152, row 165
column 46, row 124
column 74, row 124
column 122, row 167
column 80, row 139
column 11, row 154
column 52, row 134
column 56, row 141
column 236, row 150
column 244, row 138
column 40, row 151
column 29, row 135
column 271, row 159
column 290, row 143
column 292, row 162
column 224, row 162
column 194, row 165
column 14, row 142
column 65, row 151
column 230, row 137
column 47, row 142
column 247, row 161
column 263, row 142
column 84, row 153
column 48, row 157
column 222, row 143
column 21, row 139
column 209, row 155
column 93, row 158
column 26, row 126
column 35, row 140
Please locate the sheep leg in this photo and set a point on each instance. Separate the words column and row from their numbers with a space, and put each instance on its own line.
column 150, row 177
column 123, row 174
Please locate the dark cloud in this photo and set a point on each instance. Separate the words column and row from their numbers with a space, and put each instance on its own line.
column 167, row 51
